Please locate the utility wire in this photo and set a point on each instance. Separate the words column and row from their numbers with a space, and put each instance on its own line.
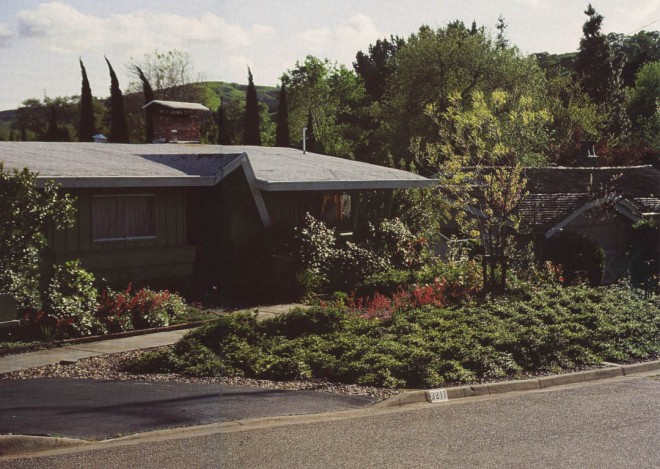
column 645, row 26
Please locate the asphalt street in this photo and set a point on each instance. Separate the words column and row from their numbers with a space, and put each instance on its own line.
column 92, row 409
column 606, row 424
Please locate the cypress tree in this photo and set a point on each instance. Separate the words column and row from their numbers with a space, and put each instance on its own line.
column 221, row 121
column 87, row 123
column 118, row 126
column 282, row 138
column 252, row 135
column 148, row 97
column 311, row 144
column 593, row 64
column 53, row 128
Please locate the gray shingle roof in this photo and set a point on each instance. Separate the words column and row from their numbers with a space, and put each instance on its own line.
column 280, row 169
column 555, row 193
column 135, row 165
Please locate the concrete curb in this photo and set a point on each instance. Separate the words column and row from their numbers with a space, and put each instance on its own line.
column 11, row 445
column 461, row 392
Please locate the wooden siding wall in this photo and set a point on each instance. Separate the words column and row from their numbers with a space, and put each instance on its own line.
column 612, row 235
column 242, row 222
column 167, row 256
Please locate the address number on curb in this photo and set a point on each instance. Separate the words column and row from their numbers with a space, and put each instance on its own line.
column 436, row 395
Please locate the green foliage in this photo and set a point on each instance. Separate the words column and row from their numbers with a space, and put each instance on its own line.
column 638, row 49
column 644, row 267
column 574, row 119
column 70, row 303
column 462, row 277
column 593, row 64
column 376, row 67
column 139, row 309
column 485, row 144
column 332, row 95
column 149, row 96
column 87, row 123
column 118, row 126
column 436, row 66
column 26, row 215
column 644, row 105
column 328, row 264
column 580, row 258
column 252, row 135
column 282, row 134
column 547, row 329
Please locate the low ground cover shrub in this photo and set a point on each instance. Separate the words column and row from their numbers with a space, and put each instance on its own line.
column 538, row 330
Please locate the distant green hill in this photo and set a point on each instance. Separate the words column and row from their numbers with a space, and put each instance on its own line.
column 217, row 91
column 564, row 61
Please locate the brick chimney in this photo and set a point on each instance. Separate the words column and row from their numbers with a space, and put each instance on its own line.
column 176, row 122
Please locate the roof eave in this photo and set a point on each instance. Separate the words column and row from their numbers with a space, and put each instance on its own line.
column 109, row 182
column 342, row 185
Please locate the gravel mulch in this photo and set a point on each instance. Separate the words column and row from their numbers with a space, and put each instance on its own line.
column 111, row 367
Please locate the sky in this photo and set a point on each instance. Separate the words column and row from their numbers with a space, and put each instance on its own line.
column 41, row 42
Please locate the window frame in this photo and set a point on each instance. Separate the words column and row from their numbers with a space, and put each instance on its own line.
column 124, row 238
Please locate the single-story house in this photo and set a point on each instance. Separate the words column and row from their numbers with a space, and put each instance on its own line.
column 176, row 214
column 601, row 203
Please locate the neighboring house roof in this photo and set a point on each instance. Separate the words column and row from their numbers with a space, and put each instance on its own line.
column 77, row 165
column 558, row 195
column 178, row 105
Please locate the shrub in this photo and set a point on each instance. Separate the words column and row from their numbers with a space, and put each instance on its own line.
column 69, row 304
column 328, row 265
column 139, row 309
column 26, row 214
column 546, row 329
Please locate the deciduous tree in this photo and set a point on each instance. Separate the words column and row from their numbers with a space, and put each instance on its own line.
column 484, row 143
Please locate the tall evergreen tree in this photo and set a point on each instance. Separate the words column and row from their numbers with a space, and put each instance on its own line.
column 221, row 121
column 593, row 64
column 53, row 128
column 148, row 97
column 311, row 144
column 252, row 135
column 501, row 41
column 282, row 138
column 118, row 126
column 87, row 123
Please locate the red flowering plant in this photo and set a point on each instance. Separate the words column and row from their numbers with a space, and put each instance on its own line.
column 380, row 306
column 138, row 309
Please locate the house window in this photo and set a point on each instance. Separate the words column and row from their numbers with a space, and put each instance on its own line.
column 336, row 209
column 117, row 217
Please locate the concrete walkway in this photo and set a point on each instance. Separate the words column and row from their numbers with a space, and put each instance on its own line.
column 73, row 352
